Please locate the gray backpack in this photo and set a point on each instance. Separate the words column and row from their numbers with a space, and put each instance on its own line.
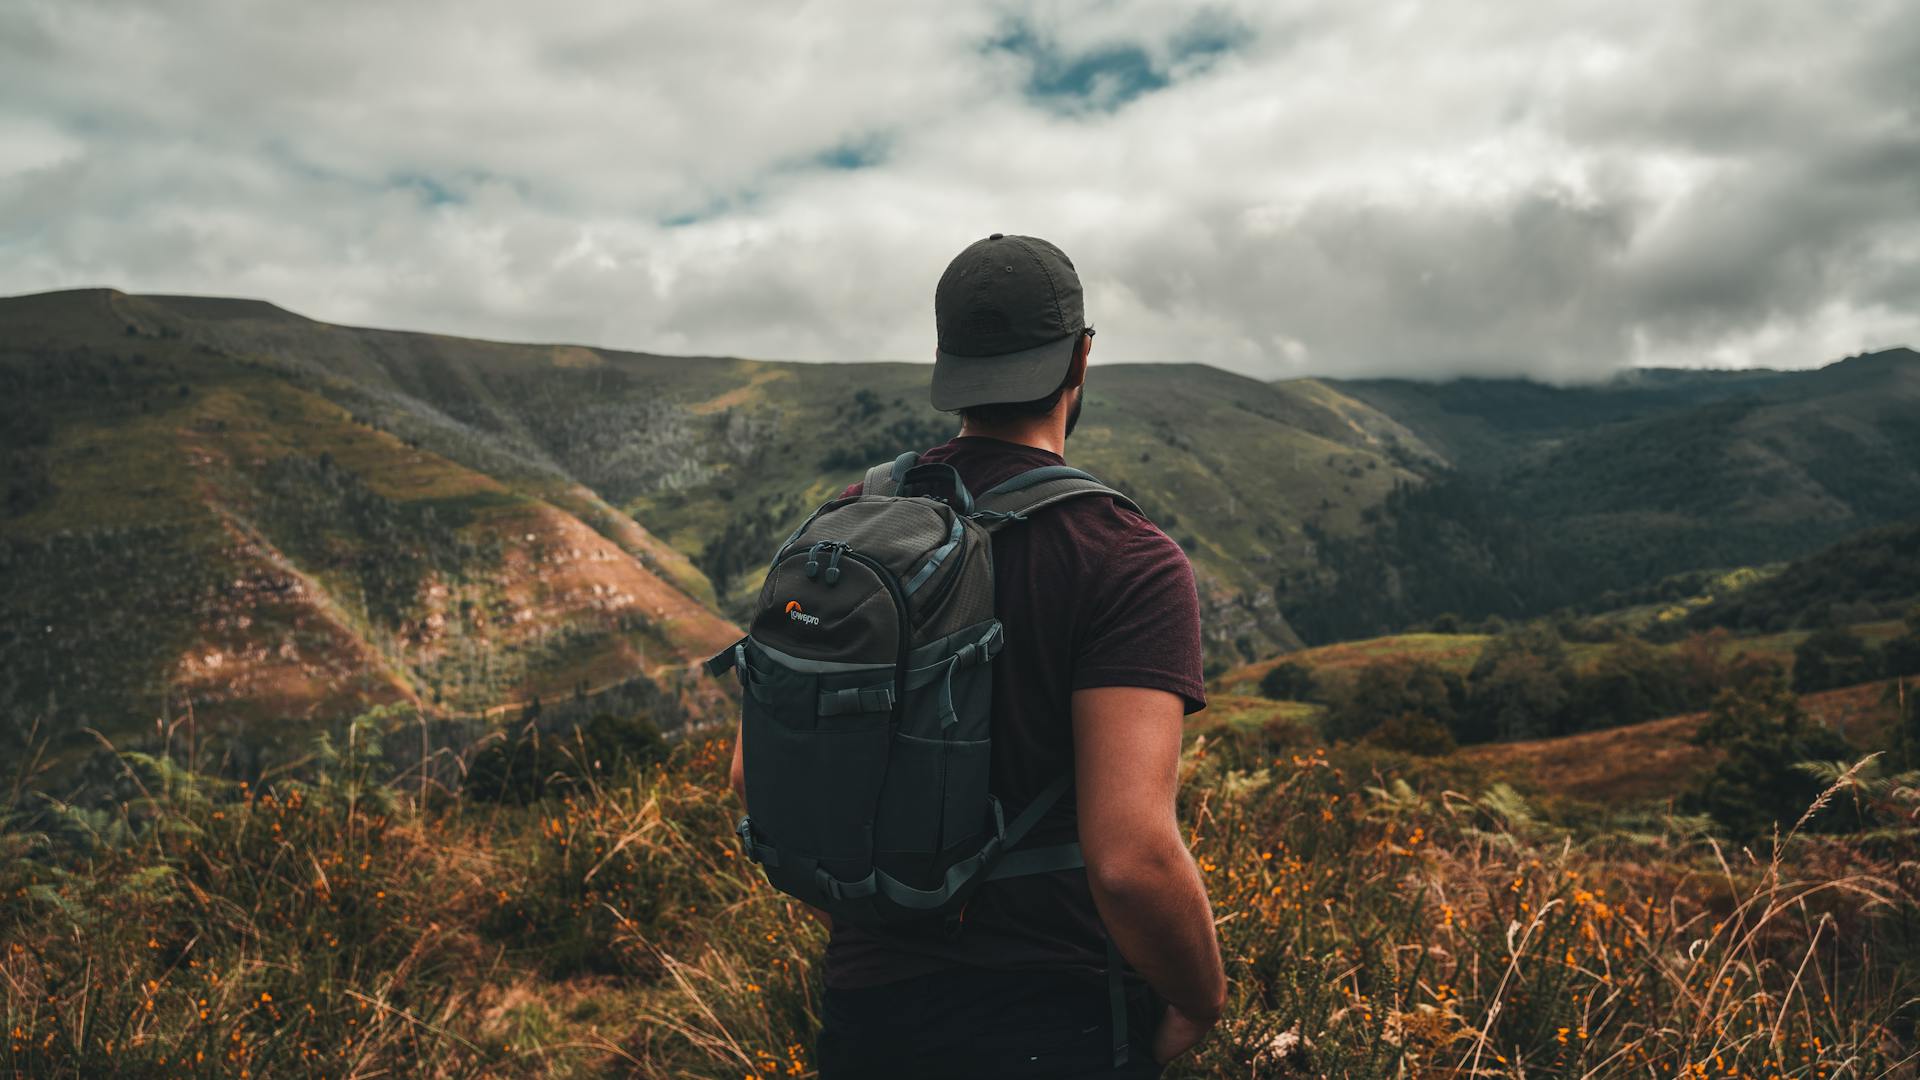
column 866, row 678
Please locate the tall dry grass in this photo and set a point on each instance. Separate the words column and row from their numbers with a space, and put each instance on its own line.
column 351, row 924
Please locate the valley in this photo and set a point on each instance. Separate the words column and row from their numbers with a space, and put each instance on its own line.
column 222, row 509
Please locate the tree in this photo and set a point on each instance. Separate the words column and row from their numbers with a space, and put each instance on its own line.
column 1763, row 736
column 1833, row 657
column 1522, row 697
column 1633, row 681
column 1519, row 687
column 1391, row 691
column 1288, row 680
column 1902, row 654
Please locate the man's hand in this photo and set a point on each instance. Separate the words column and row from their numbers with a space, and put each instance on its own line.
column 1177, row 1034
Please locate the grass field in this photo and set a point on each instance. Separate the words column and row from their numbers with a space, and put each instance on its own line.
column 1457, row 652
column 1376, row 922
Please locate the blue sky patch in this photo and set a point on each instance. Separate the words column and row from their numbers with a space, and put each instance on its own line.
column 1108, row 77
column 431, row 192
column 862, row 153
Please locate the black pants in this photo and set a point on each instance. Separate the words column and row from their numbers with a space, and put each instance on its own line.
column 977, row 1025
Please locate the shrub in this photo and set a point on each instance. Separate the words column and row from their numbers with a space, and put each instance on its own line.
column 1519, row 688
column 1390, row 690
column 1764, row 737
column 1633, row 681
column 1289, row 680
column 1902, row 654
column 1413, row 733
column 1831, row 658
column 529, row 764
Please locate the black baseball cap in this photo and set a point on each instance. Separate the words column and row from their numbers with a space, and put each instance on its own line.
column 1009, row 312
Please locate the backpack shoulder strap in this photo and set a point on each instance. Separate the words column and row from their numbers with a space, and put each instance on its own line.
column 886, row 477
column 1036, row 489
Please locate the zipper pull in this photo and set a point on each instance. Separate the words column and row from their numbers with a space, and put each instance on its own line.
column 833, row 562
column 813, row 560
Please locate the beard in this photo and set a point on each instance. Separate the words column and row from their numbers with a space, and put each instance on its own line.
column 1073, row 414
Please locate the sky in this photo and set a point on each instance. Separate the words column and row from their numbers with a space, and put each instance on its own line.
column 1556, row 189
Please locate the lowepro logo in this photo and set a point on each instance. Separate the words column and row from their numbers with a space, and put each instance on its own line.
column 794, row 613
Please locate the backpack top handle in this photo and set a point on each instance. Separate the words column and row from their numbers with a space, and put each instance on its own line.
column 887, row 477
column 938, row 480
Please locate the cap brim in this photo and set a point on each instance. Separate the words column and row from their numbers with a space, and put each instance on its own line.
column 961, row 382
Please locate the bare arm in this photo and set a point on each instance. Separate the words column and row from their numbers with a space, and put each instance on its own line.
column 737, row 774
column 1126, row 743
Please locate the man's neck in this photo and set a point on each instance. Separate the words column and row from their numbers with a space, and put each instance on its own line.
column 1043, row 433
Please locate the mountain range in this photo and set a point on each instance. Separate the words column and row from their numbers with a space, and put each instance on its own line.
column 219, row 509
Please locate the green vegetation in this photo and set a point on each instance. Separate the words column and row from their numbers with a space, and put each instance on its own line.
column 94, row 621
column 1875, row 575
column 368, row 546
column 1765, row 738
column 254, row 527
column 1288, row 681
column 1445, row 547
column 536, row 761
column 355, row 920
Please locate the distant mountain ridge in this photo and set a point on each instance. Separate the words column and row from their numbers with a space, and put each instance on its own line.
column 223, row 504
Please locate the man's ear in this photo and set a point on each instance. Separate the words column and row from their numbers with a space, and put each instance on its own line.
column 1077, row 371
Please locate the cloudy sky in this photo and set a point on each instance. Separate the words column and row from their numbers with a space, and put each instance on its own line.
column 1557, row 188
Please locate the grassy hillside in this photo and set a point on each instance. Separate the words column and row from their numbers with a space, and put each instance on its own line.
column 1659, row 761
column 249, row 525
column 214, row 532
column 223, row 506
column 1873, row 575
column 720, row 457
column 1559, row 494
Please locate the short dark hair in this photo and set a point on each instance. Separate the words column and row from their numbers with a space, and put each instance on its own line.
column 1007, row 412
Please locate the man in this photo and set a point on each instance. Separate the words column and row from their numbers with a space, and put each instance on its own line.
column 1102, row 662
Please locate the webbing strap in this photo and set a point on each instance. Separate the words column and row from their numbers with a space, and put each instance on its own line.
column 1024, row 822
column 954, row 536
column 1038, row 475
column 1044, row 860
column 985, row 648
column 960, row 874
column 855, row 699
column 761, row 853
column 1037, row 489
column 727, row 659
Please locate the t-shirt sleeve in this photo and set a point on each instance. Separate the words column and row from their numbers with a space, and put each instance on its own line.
column 1142, row 624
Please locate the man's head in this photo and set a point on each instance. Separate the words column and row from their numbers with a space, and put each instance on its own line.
column 1013, row 333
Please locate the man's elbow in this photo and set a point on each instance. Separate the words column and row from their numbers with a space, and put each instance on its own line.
column 737, row 779
column 1136, row 870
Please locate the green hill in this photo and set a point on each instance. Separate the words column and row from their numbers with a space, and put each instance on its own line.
column 222, row 507
column 1557, row 494
column 197, row 529
column 721, row 457
column 1874, row 575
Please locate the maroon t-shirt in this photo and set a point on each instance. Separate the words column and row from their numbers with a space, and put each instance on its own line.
column 1091, row 594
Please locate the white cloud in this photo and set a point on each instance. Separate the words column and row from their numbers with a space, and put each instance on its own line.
column 1558, row 188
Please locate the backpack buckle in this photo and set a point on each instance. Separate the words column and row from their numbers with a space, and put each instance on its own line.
column 999, row 819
